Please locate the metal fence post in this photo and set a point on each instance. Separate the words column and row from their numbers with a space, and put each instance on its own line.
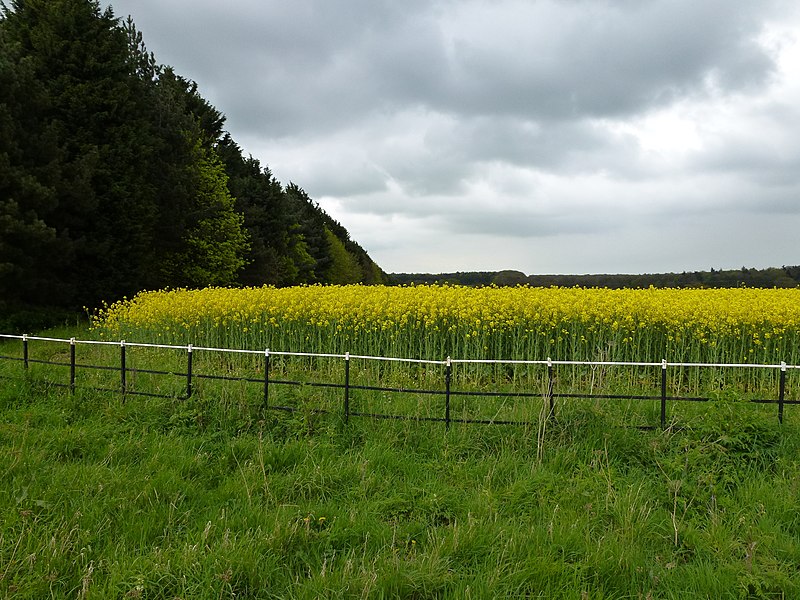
column 663, row 393
column 346, row 387
column 266, row 379
column 448, row 372
column 550, row 385
column 123, row 369
column 72, row 365
column 189, row 372
column 25, row 350
column 781, row 392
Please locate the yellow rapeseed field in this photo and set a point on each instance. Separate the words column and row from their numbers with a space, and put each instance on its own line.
column 699, row 325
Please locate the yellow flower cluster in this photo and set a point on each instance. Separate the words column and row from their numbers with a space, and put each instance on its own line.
column 721, row 325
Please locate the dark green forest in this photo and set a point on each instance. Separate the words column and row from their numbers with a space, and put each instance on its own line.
column 781, row 277
column 116, row 175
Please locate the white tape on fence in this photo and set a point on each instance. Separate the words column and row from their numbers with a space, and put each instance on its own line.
column 404, row 360
column 465, row 361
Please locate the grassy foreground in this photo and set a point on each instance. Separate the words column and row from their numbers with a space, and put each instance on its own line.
column 209, row 498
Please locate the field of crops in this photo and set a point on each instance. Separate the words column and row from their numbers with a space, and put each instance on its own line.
column 432, row 322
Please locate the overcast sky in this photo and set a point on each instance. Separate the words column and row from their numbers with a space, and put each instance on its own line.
column 546, row 136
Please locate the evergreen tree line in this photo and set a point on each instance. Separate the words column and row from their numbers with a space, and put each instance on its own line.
column 781, row 277
column 116, row 175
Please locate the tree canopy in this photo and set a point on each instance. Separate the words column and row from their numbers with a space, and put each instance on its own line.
column 116, row 175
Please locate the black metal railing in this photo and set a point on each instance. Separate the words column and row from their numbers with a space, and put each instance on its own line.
column 188, row 374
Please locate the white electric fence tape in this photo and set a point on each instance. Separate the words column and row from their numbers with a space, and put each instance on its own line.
column 548, row 362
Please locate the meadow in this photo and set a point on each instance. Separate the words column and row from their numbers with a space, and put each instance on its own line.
column 214, row 496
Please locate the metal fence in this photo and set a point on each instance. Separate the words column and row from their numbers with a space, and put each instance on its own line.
column 189, row 374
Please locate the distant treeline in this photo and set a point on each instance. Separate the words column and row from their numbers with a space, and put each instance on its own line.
column 782, row 277
column 116, row 175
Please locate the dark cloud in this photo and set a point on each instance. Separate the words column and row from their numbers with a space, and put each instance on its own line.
column 284, row 67
column 520, row 224
column 568, row 60
column 510, row 120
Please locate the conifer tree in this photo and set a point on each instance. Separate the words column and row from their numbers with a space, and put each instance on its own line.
column 116, row 175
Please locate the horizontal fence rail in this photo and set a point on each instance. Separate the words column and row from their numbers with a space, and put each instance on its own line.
column 188, row 375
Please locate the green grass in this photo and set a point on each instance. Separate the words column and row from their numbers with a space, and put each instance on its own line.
column 211, row 497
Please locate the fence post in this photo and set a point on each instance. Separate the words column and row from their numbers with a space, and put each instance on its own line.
column 448, row 372
column 266, row 379
column 189, row 372
column 72, row 365
column 123, row 369
column 550, row 385
column 781, row 392
column 346, row 387
column 25, row 350
column 663, row 393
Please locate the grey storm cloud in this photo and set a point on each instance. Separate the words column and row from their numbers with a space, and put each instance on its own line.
column 287, row 66
column 511, row 121
column 567, row 60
